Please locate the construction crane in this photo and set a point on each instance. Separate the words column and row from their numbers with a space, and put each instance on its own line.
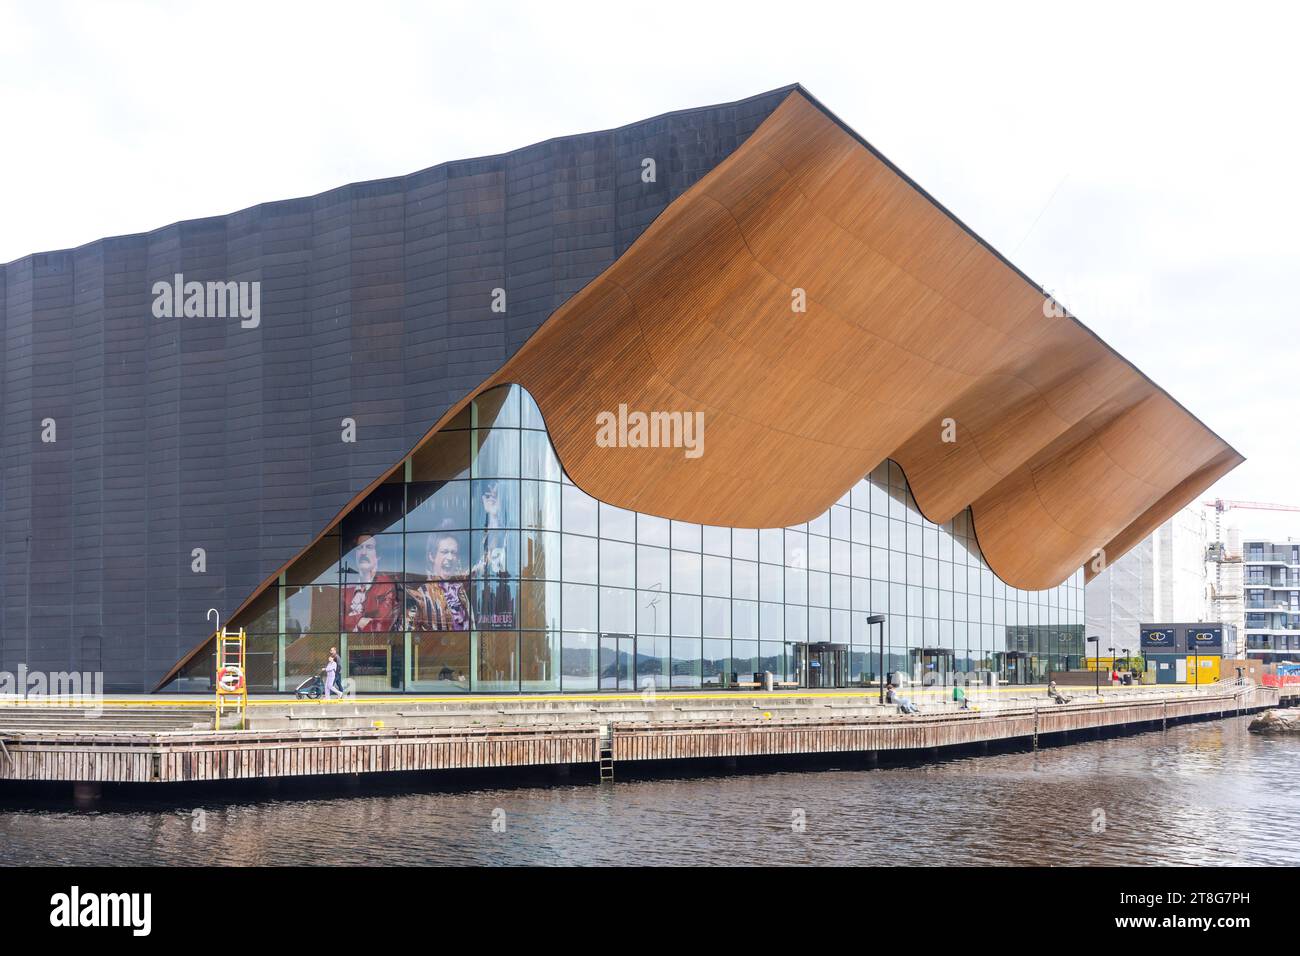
column 1222, row 504
column 1220, row 551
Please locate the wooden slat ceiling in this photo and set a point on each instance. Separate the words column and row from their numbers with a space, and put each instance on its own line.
column 1062, row 447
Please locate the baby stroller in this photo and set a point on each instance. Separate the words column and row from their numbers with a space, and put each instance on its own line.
column 312, row 687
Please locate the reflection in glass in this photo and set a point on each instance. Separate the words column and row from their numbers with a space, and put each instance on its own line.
column 530, row 416
column 538, row 457
column 498, row 408
column 444, row 457
column 580, row 559
column 617, row 564
column 652, row 568
column 319, row 565
column 580, row 604
column 539, row 555
column 578, row 661
column 617, row 610
column 652, row 661
column 419, row 573
column 580, row 511
column 687, row 656
column 311, row 610
column 498, row 661
column 440, row 661
column 497, row 454
column 686, row 572
column 437, row 506
column 717, row 541
column 539, row 605
column 617, row 524
column 379, row 512
column 539, row 505
column 538, row 654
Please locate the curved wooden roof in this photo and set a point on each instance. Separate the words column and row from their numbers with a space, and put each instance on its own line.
column 1064, row 451
column 1062, row 447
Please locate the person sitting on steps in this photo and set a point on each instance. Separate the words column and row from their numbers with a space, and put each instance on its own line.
column 1055, row 693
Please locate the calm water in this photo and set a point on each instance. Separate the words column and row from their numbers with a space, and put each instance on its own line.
column 1199, row 794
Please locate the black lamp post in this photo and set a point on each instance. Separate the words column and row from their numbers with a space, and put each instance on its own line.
column 1096, row 663
column 880, row 619
column 1128, row 665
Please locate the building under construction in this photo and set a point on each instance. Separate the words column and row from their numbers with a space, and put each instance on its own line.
column 1163, row 578
column 1196, row 567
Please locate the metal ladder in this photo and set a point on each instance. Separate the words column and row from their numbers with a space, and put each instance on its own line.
column 231, row 649
column 606, row 754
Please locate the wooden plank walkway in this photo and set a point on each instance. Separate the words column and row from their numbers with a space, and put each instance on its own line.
column 211, row 756
column 203, row 756
column 686, row 740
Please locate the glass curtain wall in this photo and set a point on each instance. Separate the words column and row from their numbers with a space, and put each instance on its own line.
column 479, row 567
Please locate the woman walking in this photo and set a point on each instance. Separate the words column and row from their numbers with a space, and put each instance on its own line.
column 331, row 673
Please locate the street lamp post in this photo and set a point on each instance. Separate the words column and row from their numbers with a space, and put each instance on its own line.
column 1096, row 663
column 1127, row 665
column 880, row 619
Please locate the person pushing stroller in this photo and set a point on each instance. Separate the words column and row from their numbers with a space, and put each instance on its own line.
column 325, row 681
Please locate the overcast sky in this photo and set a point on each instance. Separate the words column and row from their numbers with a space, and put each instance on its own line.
column 1140, row 162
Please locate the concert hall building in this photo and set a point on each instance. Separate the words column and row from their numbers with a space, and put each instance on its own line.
column 713, row 394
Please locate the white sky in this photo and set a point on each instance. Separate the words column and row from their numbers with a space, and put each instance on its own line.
column 1140, row 161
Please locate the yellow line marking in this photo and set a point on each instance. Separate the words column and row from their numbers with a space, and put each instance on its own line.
column 974, row 694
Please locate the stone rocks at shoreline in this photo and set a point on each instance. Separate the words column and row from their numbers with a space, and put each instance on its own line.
column 1276, row 722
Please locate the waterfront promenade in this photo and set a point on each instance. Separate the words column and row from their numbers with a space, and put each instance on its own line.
column 152, row 740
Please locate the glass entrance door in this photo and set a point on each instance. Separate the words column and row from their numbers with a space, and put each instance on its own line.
column 617, row 662
column 1013, row 666
column 827, row 665
column 932, row 666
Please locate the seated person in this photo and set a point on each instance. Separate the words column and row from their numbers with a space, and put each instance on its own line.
column 905, row 704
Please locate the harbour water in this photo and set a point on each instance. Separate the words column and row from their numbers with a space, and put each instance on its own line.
column 1197, row 794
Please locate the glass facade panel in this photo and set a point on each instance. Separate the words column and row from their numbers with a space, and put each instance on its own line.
column 481, row 568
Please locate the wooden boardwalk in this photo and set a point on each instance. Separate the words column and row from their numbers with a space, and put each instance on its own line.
column 234, row 755
column 179, row 756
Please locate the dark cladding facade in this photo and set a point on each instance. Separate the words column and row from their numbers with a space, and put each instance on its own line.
column 130, row 441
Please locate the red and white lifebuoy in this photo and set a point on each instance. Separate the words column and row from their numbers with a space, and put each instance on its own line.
column 230, row 679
